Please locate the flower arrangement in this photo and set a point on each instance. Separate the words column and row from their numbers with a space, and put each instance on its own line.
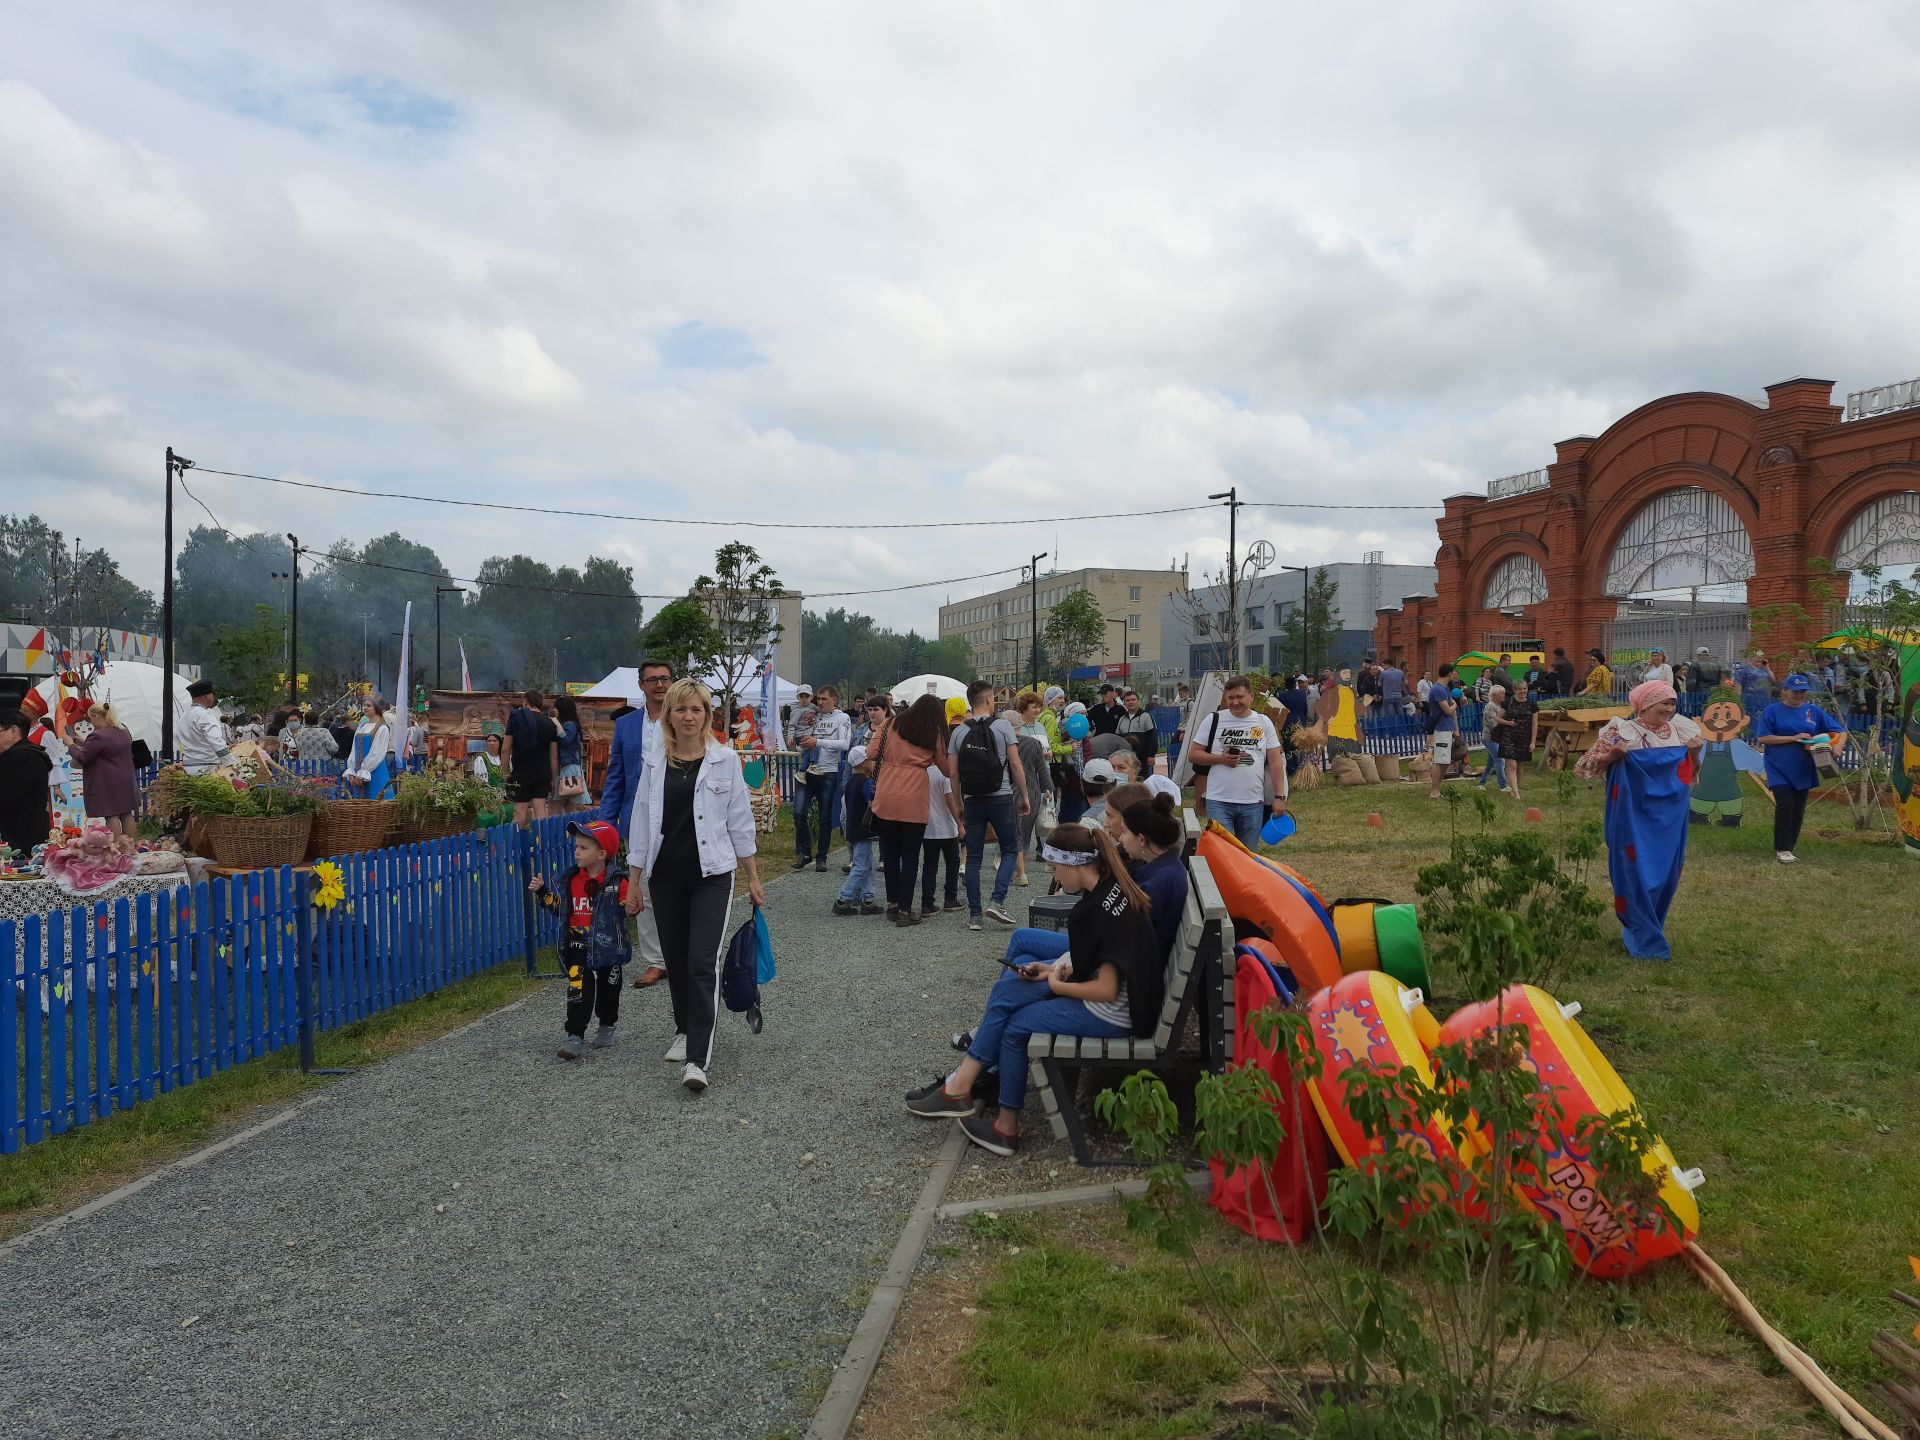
column 176, row 796
column 445, row 792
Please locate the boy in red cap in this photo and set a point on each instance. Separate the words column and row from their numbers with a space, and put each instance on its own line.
column 598, row 940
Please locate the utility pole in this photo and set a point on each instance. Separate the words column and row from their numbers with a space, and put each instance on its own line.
column 1033, row 616
column 175, row 464
column 1232, row 496
column 363, row 648
column 438, row 591
column 293, row 627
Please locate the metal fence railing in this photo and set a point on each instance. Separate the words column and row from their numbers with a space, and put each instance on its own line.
column 108, row 1004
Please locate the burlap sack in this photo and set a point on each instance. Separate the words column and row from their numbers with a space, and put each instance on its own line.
column 1369, row 768
column 1388, row 766
column 1421, row 765
column 1346, row 771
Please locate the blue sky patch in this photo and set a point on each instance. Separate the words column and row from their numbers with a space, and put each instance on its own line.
column 695, row 345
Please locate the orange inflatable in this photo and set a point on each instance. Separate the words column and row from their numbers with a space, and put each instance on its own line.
column 1282, row 905
column 1368, row 1017
column 1571, row 1065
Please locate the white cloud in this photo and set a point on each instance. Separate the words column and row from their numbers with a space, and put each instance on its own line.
column 858, row 261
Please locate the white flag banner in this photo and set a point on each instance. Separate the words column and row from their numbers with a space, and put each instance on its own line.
column 466, row 675
column 400, row 688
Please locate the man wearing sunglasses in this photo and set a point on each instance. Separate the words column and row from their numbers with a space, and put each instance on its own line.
column 636, row 736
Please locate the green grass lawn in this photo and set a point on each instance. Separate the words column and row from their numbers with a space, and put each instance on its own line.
column 1780, row 1052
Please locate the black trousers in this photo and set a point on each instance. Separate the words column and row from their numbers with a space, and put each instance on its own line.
column 899, row 858
column 590, row 992
column 931, row 852
column 692, row 912
column 1789, row 813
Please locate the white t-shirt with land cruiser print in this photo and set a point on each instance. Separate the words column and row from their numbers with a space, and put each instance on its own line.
column 1224, row 732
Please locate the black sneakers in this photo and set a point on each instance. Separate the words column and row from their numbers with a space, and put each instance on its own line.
column 981, row 1131
column 933, row 1103
column 845, row 907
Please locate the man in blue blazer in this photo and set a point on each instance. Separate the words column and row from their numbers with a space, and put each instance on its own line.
column 635, row 736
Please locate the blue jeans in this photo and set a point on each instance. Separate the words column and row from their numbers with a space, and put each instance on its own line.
column 1493, row 771
column 981, row 811
column 1017, row 1010
column 823, row 790
column 1243, row 820
column 859, row 886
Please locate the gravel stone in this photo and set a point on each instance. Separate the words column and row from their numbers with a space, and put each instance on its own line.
column 627, row 1258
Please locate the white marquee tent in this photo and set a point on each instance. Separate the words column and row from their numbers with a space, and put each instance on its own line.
column 134, row 691
column 944, row 687
column 624, row 683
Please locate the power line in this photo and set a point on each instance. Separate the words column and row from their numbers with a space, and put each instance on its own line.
column 733, row 523
column 628, row 594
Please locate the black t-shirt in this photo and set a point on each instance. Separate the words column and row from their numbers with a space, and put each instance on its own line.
column 1105, row 719
column 679, row 846
column 1563, row 677
column 1104, row 929
column 531, row 733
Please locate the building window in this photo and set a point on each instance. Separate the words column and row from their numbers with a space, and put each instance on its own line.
column 1202, row 623
column 1133, row 649
column 1256, row 654
column 1256, row 617
column 1133, row 592
column 1133, row 622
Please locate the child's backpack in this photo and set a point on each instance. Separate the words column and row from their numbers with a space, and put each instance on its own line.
column 980, row 765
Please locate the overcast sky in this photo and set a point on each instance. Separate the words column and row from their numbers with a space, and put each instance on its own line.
column 916, row 261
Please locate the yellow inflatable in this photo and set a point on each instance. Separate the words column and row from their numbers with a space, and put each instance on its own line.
column 1368, row 1018
column 1581, row 1079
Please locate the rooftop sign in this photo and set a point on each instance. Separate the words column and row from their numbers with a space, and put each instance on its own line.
column 1901, row 395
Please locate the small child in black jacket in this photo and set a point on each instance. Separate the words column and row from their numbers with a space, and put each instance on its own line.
column 597, row 941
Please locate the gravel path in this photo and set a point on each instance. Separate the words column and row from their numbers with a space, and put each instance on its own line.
column 476, row 1239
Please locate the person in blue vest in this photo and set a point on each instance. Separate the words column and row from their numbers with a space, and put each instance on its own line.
column 1782, row 734
column 635, row 735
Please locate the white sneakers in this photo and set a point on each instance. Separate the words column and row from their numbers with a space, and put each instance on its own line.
column 1786, row 857
column 694, row 1078
column 677, row 1051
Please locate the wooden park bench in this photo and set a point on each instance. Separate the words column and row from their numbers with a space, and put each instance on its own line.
column 1199, row 983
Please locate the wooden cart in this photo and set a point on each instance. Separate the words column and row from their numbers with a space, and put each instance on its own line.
column 1565, row 735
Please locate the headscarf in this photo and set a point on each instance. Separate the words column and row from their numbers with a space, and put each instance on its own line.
column 1161, row 785
column 1648, row 693
column 956, row 707
column 1077, row 708
column 1054, row 692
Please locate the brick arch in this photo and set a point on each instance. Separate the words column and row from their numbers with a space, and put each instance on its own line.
column 1612, row 516
column 1491, row 553
column 1850, row 496
column 1702, row 427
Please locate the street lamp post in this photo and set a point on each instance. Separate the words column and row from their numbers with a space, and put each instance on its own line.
column 1033, row 616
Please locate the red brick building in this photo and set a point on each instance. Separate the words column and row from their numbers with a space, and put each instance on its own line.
column 1687, row 491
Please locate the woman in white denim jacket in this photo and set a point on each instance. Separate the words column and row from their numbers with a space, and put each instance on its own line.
column 692, row 827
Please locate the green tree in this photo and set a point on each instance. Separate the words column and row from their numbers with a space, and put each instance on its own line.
column 1308, row 632
column 829, row 640
column 249, row 661
column 1075, row 631
column 877, row 661
column 679, row 632
column 742, row 600
column 45, row 580
column 951, row 656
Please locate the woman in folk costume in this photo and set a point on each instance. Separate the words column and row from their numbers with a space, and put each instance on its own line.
column 370, row 766
column 1649, row 763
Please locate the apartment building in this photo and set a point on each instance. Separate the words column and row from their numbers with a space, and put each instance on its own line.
column 999, row 625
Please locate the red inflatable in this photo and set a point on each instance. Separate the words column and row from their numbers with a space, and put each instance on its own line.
column 1368, row 1017
column 1571, row 1065
column 1280, row 1205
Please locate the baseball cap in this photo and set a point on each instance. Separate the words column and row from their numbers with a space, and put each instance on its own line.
column 1703, row 650
column 1797, row 682
column 1099, row 772
column 857, row 755
column 599, row 832
column 1656, row 650
column 1106, row 689
column 803, row 688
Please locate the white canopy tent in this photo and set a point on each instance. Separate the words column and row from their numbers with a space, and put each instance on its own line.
column 135, row 692
column 943, row 687
column 622, row 683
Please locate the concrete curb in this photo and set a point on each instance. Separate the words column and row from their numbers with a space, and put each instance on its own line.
column 1200, row 1181
column 851, row 1376
column 201, row 1156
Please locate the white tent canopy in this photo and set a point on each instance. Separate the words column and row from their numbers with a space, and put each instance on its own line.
column 134, row 691
column 943, row 687
column 624, row 683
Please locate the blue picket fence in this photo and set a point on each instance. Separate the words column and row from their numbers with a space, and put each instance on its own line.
column 120, row 1000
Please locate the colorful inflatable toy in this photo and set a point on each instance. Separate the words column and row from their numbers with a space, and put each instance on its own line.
column 1368, row 1018
column 1279, row 904
column 1376, row 935
column 1571, row 1065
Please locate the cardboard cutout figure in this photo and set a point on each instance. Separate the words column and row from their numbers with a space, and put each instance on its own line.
column 1716, row 794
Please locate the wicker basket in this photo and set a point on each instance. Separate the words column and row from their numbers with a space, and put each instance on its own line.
column 349, row 827
column 432, row 825
column 247, row 842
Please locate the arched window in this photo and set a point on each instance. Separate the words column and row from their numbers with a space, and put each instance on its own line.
column 1518, row 580
column 1886, row 533
column 1680, row 539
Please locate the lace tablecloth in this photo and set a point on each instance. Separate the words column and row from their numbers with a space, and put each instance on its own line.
column 21, row 898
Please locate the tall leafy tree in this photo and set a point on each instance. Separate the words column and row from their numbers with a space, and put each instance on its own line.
column 741, row 598
column 47, row 579
column 679, row 631
column 1075, row 630
column 950, row 656
column 249, row 661
column 1308, row 634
